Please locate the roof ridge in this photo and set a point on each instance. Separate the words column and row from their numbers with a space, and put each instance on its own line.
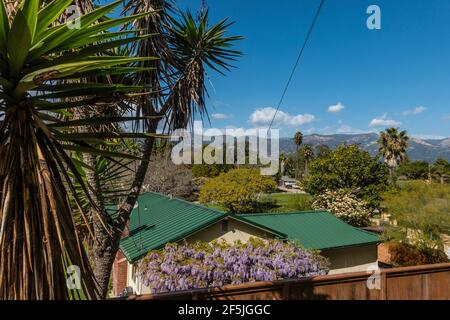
column 280, row 213
column 185, row 201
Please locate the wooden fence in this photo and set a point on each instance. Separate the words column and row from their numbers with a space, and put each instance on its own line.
column 430, row 282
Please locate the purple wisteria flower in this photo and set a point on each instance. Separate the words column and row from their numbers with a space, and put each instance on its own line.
column 201, row 265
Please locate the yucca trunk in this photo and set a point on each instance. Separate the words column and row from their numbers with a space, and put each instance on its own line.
column 38, row 239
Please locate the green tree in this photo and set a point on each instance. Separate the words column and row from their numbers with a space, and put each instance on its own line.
column 308, row 154
column 350, row 168
column 414, row 169
column 420, row 214
column 322, row 150
column 41, row 64
column 441, row 169
column 298, row 139
column 187, row 47
column 58, row 94
column 393, row 145
column 238, row 190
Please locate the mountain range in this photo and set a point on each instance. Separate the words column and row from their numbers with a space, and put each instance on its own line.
column 419, row 149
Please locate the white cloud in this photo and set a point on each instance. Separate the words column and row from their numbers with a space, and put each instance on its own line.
column 384, row 122
column 263, row 117
column 336, row 108
column 416, row 110
column 342, row 129
column 221, row 116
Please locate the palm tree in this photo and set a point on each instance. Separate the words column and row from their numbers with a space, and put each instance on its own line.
column 298, row 139
column 41, row 64
column 308, row 154
column 393, row 147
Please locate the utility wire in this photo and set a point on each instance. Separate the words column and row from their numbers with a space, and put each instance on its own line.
column 297, row 62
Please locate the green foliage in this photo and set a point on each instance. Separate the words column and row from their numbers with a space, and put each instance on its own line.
column 345, row 206
column 349, row 168
column 298, row 139
column 237, row 190
column 414, row 170
column 441, row 170
column 38, row 52
column 421, row 213
column 209, row 170
column 393, row 146
column 322, row 150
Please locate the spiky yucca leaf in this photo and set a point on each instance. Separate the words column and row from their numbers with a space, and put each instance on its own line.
column 38, row 238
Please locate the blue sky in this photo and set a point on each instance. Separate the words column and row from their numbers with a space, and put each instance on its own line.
column 396, row 76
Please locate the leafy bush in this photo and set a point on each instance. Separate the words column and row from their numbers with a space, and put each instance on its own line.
column 421, row 214
column 237, row 190
column 413, row 169
column 348, row 167
column 202, row 265
column 345, row 206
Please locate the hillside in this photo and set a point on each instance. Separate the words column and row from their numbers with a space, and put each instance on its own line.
column 419, row 149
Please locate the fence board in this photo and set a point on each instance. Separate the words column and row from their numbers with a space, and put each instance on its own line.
column 430, row 282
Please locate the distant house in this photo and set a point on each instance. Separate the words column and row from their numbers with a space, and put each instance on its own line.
column 288, row 182
column 158, row 220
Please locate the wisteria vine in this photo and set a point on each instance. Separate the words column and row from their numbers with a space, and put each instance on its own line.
column 200, row 265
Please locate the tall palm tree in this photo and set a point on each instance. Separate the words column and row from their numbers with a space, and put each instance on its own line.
column 41, row 64
column 393, row 147
column 298, row 139
column 308, row 154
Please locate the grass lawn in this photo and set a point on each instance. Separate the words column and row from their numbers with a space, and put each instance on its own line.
column 286, row 202
column 282, row 202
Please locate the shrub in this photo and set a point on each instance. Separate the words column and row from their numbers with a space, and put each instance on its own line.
column 345, row 206
column 404, row 255
column 421, row 214
column 237, row 190
column 202, row 265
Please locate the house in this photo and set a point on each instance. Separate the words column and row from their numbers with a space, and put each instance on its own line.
column 289, row 183
column 158, row 220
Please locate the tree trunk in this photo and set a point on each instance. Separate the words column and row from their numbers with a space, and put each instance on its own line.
column 104, row 242
column 107, row 241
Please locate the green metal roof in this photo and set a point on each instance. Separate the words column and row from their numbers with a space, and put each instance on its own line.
column 312, row 229
column 158, row 220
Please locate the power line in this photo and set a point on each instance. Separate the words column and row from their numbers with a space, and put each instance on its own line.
column 297, row 62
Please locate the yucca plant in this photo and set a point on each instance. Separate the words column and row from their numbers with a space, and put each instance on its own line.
column 44, row 65
column 177, row 84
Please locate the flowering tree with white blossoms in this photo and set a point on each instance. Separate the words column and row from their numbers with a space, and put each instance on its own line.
column 345, row 206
